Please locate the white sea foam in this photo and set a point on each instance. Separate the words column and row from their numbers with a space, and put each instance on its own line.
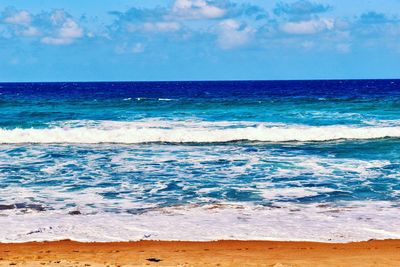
column 199, row 132
column 294, row 192
column 357, row 222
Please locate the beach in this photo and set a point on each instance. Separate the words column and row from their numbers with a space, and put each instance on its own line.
column 218, row 253
column 200, row 133
column 306, row 168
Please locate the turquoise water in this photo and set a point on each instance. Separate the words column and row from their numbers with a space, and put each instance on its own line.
column 135, row 149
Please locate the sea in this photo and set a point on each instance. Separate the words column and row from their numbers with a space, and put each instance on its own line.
column 245, row 160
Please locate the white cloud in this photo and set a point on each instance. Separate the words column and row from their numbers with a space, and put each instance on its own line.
column 70, row 30
column 58, row 16
column 196, row 9
column 307, row 27
column 162, row 26
column 55, row 28
column 21, row 24
column 20, row 18
column 66, row 34
column 232, row 34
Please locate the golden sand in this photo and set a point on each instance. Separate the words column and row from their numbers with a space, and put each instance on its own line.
column 219, row 253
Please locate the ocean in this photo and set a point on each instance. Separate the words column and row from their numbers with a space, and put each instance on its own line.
column 248, row 160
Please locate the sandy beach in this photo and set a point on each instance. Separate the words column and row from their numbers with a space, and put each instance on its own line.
column 219, row 253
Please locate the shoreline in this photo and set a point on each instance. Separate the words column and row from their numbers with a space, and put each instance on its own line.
column 207, row 253
column 345, row 222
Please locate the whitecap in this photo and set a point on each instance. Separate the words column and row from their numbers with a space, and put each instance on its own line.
column 179, row 132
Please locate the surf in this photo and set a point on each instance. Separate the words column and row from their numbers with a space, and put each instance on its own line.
column 141, row 133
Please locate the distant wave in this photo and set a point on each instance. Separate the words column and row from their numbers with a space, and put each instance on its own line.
column 135, row 134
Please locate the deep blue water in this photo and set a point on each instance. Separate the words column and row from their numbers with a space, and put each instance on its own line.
column 128, row 147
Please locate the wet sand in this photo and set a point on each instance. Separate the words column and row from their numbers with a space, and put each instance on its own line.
column 219, row 253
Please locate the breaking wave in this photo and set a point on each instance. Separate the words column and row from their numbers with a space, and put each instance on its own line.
column 136, row 133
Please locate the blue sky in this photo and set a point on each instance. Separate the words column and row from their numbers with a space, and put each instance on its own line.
column 104, row 40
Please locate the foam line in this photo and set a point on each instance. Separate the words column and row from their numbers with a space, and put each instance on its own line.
column 136, row 135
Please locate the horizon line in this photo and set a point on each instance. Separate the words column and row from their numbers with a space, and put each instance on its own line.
column 169, row 81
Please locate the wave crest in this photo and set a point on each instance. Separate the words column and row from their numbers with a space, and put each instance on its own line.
column 133, row 133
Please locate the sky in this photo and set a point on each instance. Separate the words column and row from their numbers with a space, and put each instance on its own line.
column 153, row 40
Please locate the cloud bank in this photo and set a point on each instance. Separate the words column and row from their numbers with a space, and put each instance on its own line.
column 221, row 24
